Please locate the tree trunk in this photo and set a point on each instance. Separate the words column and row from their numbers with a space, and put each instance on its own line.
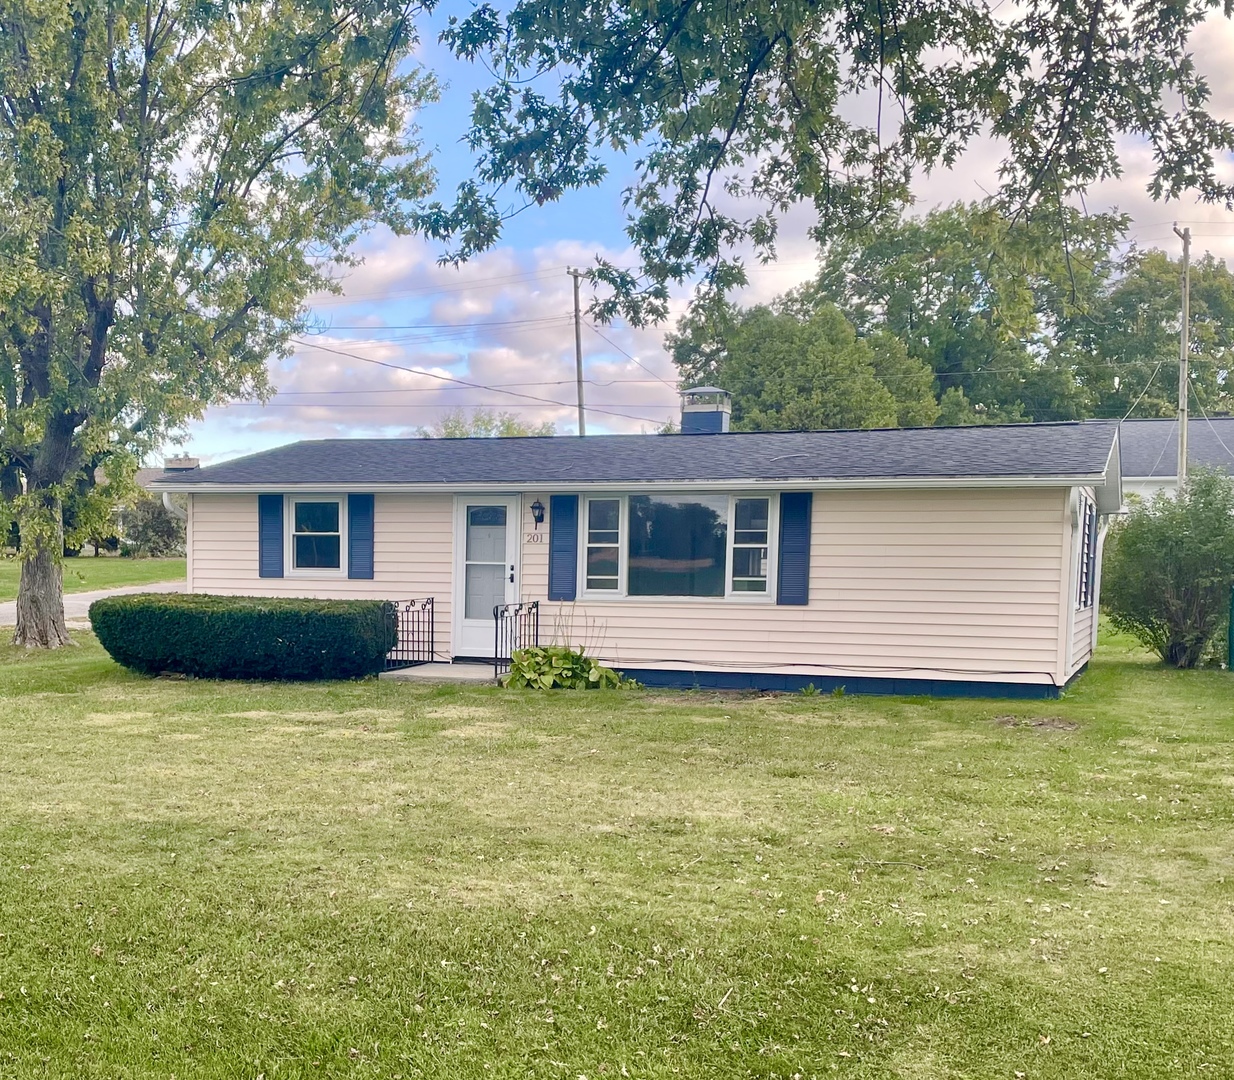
column 40, row 592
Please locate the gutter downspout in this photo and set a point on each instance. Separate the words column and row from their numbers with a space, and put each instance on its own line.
column 173, row 509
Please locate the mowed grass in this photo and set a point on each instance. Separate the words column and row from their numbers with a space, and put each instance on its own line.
column 373, row 880
column 85, row 573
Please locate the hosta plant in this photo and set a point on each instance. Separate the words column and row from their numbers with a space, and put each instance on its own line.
column 558, row 667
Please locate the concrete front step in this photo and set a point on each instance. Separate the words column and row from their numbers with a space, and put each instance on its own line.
column 454, row 673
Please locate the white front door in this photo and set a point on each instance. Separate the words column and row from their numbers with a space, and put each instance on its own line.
column 485, row 570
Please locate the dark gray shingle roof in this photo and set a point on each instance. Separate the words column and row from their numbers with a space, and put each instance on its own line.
column 1150, row 447
column 1024, row 450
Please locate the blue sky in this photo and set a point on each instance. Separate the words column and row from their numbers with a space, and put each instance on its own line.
column 504, row 320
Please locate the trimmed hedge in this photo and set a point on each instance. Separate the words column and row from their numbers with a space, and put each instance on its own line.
column 245, row 637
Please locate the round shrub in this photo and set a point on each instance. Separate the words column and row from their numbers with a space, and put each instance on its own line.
column 1169, row 566
column 245, row 637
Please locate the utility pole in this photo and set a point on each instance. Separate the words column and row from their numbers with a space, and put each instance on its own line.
column 1184, row 352
column 578, row 351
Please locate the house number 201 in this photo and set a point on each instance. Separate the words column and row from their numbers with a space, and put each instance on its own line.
column 533, row 538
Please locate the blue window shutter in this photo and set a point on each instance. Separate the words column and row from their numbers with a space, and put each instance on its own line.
column 794, row 583
column 360, row 536
column 270, row 535
column 563, row 547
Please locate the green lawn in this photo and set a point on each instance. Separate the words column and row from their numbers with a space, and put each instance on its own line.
column 369, row 880
column 84, row 574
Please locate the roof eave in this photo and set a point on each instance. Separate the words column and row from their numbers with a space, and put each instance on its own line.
column 1098, row 481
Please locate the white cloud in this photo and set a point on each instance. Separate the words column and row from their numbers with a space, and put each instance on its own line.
column 504, row 319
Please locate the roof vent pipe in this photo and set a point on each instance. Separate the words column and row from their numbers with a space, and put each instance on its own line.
column 705, row 410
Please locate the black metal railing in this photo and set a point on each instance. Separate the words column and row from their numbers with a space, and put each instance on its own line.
column 517, row 627
column 415, row 643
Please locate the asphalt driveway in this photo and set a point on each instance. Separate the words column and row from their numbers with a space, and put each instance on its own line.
column 77, row 605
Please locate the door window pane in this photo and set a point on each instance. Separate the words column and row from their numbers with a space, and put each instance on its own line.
column 486, row 588
column 678, row 546
column 486, row 534
column 317, row 541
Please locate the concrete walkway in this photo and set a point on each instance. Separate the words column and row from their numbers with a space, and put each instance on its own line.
column 77, row 605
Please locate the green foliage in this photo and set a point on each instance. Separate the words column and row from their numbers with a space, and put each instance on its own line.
column 558, row 667
column 245, row 637
column 1169, row 568
column 790, row 372
column 809, row 690
column 973, row 316
column 738, row 114
column 150, row 529
column 1131, row 340
column 483, row 423
column 988, row 301
column 188, row 173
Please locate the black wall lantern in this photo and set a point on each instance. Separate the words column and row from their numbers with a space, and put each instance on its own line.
column 537, row 513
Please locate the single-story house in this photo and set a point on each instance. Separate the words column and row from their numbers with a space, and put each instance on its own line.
column 1150, row 451
column 916, row 561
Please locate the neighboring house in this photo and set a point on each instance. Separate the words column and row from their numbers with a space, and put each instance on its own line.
column 1150, row 451
column 936, row 561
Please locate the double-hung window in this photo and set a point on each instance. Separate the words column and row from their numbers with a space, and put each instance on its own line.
column 678, row 545
column 602, row 561
column 315, row 538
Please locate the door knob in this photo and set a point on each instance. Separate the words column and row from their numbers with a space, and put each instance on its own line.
column 511, row 575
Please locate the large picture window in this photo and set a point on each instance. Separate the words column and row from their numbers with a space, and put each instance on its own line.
column 678, row 545
column 317, row 534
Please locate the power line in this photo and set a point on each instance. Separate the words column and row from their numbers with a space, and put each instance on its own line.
column 443, row 405
column 465, row 382
column 614, row 344
column 1213, row 428
column 1145, row 390
column 493, row 282
column 441, row 326
column 438, row 389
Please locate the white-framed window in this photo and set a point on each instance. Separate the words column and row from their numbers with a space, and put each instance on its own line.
column 718, row 546
column 316, row 535
column 603, row 562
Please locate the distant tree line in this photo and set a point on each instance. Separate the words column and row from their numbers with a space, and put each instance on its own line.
column 968, row 316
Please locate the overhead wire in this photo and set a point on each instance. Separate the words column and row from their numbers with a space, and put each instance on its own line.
column 629, row 356
column 477, row 386
column 1213, row 428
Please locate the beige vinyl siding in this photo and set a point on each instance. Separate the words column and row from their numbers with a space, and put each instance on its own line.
column 951, row 584
column 1081, row 639
column 912, row 584
column 413, row 542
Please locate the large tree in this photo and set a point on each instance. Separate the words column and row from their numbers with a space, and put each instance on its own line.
column 786, row 371
column 1127, row 352
column 990, row 301
column 484, row 424
column 736, row 112
column 175, row 178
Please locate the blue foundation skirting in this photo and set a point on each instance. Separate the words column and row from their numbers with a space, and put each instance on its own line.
column 824, row 684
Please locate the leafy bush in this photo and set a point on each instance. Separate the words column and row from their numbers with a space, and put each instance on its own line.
column 558, row 667
column 245, row 637
column 150, row 529
column 1169, row 567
